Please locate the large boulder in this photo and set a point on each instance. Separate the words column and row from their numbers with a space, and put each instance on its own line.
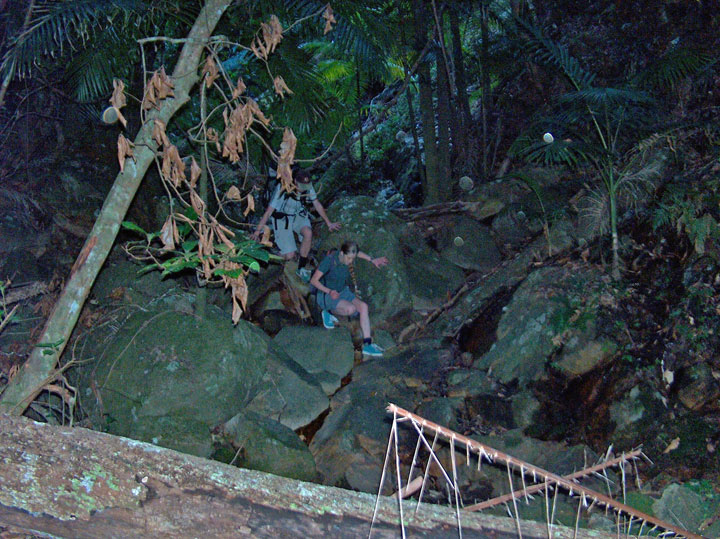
column 259, row 443
column 469, row 245
column 328, row 355
column 552, row 304
column 169, row 377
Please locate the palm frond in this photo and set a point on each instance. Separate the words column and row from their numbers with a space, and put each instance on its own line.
column 607, row 97
column 674, row 66
column 548, row 52
column 91, row 71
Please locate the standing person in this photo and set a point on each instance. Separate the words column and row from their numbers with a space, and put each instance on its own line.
column 334, row 295
column 290, row 217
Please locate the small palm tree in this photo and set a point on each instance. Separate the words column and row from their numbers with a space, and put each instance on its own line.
column 611, row 128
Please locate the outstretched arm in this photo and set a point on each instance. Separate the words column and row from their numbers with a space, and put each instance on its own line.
column 259, row 228
column 377, row 262
column 321, row 212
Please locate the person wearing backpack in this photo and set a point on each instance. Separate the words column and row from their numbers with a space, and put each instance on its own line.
column 334, row 295
column 289, row 216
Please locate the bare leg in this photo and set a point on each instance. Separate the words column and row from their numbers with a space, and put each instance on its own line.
column 347, row 308
column 290, row 255
column 306, row 243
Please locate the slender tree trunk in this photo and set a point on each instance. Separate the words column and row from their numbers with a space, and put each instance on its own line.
column 431, row 189
column 359, row 114
column 484, row 7
column 201, row 295
column 40, row 367
column 464, row 124
column 613, row 230
column 413, row 131
column 444, row 121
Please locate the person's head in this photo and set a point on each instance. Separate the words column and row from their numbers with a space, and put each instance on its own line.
column 349, row 249
column 302, row 178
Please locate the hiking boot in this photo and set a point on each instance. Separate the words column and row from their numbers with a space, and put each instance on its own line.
column 329, row 320
column 372, row 349
column 304, row 274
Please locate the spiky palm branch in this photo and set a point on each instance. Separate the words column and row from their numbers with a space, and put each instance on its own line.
column 90, row 40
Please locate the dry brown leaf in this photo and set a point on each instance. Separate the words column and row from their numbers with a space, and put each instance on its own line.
column 233, row 194
column 159, row 87
column 265, row 240
column 118, row 100
column 672, row 446
column 286, row 159
column 195, row 172
column 173, row 168
column 118, row 97
column 167, row 234
column 239, row 89
column 223, row 238
column 159, row 134
column 329, row 19
column 250, row 205
column 124, row 150
column 210, row 71
column 252, row 107
column 213, row 136
column 197, row 203
column 240, row 290
column 280, row 87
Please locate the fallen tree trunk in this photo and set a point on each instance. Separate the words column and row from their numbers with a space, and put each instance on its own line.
column 73, row 482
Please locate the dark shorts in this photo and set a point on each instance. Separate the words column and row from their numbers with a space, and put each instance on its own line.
column 325, row 302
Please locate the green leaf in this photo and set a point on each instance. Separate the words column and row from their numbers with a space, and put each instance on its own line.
column 229, row 273
column 50, row 344
column 189, row 245
column 135, row 228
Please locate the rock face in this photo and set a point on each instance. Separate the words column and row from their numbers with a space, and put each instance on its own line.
column 170, row 377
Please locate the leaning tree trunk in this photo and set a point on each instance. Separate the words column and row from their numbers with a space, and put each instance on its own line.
column 40, row 367
column 431, row 191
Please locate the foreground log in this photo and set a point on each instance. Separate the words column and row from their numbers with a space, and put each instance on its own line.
column 73, row 482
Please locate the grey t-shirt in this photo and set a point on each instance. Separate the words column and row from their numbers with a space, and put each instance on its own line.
column 292, row 204
column 335, row 273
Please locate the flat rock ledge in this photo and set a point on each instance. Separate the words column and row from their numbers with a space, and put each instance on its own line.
column 74, row 482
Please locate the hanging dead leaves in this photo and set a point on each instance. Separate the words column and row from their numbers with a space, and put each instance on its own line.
column 329, row 19
column 159, row 87
column 210, row 71
column 238, row 121
column 286, row 159
column 117, row 101
column 271, row 35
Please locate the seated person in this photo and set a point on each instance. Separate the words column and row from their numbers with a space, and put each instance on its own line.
column 290, row 217
column 334, row 295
